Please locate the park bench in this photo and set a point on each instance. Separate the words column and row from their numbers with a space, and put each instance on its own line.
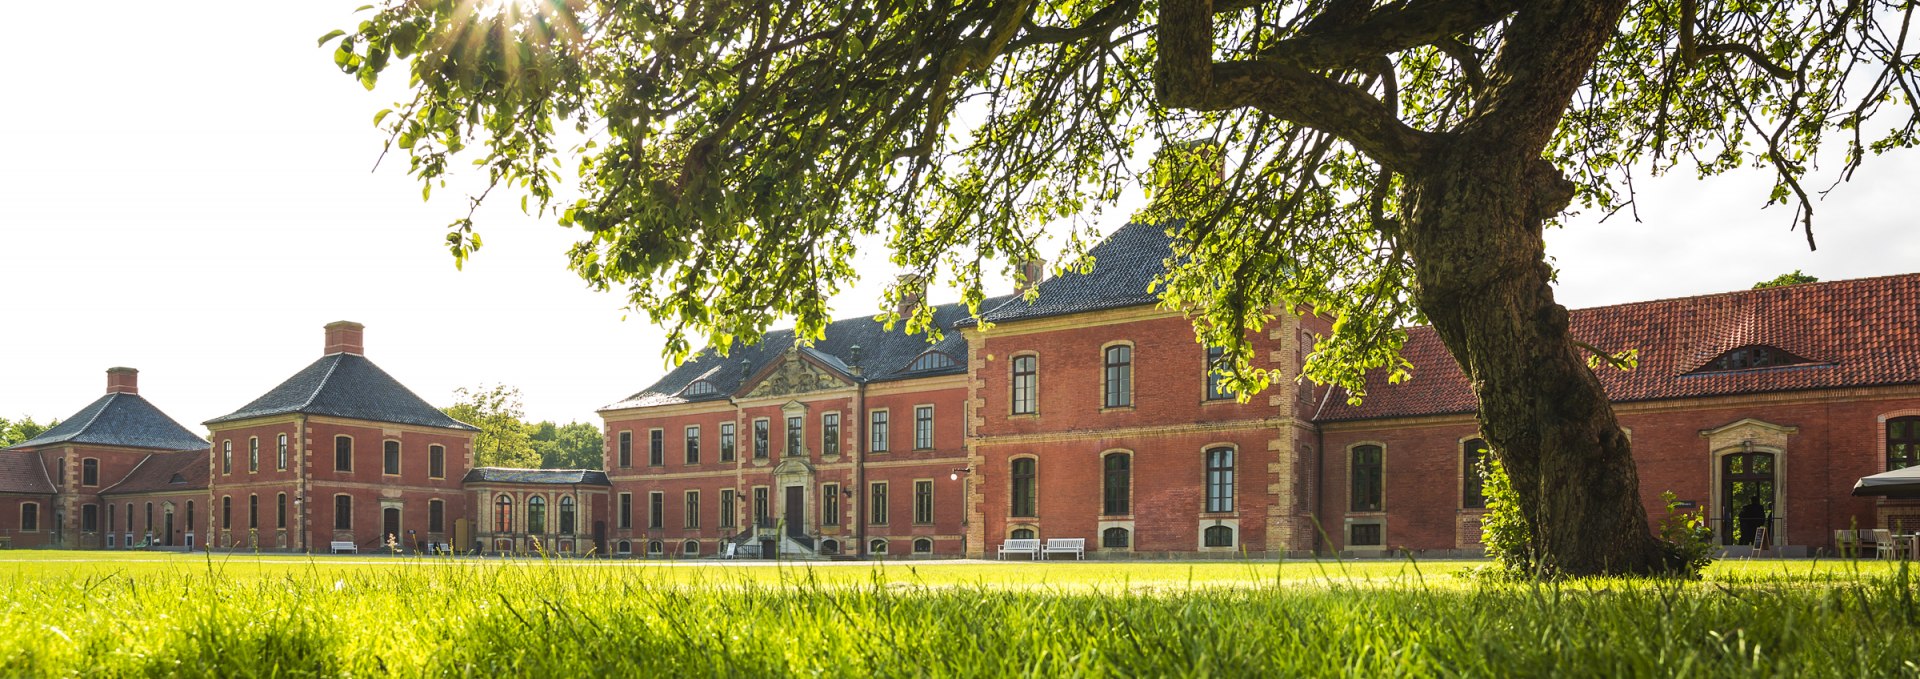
column 1075, row 546
column 345, row 546
column 1031, row 548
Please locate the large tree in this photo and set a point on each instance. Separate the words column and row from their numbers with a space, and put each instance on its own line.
column 1382, row 163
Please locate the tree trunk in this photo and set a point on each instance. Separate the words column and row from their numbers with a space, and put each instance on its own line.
column 1476, row 213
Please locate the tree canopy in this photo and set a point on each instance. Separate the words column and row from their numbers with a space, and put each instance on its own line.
column 22, row 430
column 1786, row 279
column 1381, row 163
column 506, row 439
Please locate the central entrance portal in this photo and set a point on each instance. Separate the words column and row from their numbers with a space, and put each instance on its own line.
column 389, row 525
column 1747, row 498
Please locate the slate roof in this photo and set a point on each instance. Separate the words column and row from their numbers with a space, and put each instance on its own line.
column 885, row 355
column 349, row 386
column 1855, row 333
column 1124, row 265
column 166, row 473
column 560, row 477
column 119, row 420
column 22, row 472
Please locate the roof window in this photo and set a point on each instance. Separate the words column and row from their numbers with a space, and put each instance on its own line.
column 700, row 388
column 931, row 360
column 1751, row 357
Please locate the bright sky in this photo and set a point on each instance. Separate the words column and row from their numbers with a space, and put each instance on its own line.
column 185, row 189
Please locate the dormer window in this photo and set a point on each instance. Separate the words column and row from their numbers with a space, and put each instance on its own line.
column 700, row 388
column 1751, row 357
column 931, row 360
column 177, row 478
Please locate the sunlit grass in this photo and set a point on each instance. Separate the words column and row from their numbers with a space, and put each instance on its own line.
column 148, row 614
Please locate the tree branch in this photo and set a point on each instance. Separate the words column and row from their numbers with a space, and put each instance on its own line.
column 1100, row 25
column 1387, row 31
column 1186, row 76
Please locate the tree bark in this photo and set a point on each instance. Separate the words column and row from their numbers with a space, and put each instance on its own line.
column 1482, row 279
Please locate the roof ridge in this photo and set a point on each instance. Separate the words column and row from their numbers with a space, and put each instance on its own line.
column 128, row 475
column 1749, row 291
column 321, row 384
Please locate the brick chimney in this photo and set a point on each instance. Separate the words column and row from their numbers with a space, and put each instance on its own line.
column 1031, row 273
column 913, row 287
column 123, row 381
column 345, row 337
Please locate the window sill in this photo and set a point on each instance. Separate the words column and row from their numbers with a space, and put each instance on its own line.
column 1116, row 409
column 1217, row 401
column 1023, row 416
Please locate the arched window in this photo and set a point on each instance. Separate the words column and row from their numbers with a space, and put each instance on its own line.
column 1903, row 442
column 690, row 548
column 503, row 513
column 1117, row 484
column 342, row 453
column 1119, row 376
column 30, row 517
column 700, row 388
column 1220, row 480
column 1219, row 536
column 1367, row 472
column 90, row 472
column 189, row 516
column 1021, row 534
column 1751, row 357
column 253, row 454
column 226, row 457
column 654, row 548
column 829, row 547
column 280, row 454
column 1473, row 460
column 1114, row 538
column 279, row 511
column 931, row 360
column 1216, row 384
column 876, row 546
column 536, row 515
column 437, row 462
column 1026, row 383
column 1022, row 479
column 566, row 514
column 623, row 547
column 922, row 546
column 390, row 458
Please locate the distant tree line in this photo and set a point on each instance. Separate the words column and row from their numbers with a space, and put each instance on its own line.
column 506, row 439
column 22, row 430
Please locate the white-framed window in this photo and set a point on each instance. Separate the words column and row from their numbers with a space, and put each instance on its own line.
column 1118, row 383
column 877, row 430
column 1220, row 479
column 830, row 434
column 1026, row 384
column 693, row 444
column 923, row 427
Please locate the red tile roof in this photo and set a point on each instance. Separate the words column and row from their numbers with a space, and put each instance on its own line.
column 157, row 472
column 21, row 472
column 1854, row 333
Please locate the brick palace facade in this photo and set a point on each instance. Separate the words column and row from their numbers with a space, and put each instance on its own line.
column 1087, row 412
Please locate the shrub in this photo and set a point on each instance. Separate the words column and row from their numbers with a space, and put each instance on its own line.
column 1509, row 543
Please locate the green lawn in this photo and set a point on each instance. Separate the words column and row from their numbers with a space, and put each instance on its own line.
column 67, row 613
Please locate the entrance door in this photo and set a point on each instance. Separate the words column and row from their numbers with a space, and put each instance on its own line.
column 600, row 537
column 169, row 526
column 796, row 514
column 1746, row 497
column 389, row 525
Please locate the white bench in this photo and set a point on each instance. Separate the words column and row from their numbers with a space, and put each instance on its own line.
column 1075, row 546
column 1031, row 548
column 345, row 546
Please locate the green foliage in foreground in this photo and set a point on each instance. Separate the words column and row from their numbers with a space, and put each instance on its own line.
column 286, row 617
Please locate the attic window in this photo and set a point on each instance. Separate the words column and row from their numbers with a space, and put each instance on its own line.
column 177, row 479
column 931, row 360
column 700, row 388
column 1751, row 357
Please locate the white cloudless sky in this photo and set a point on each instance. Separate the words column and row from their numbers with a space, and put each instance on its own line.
column 187, row 189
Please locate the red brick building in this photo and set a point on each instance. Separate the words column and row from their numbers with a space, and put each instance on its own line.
column 1090, row 413
column 338, row 454
column 63, row 487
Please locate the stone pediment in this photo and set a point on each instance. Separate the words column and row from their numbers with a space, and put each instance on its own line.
column 796, row 375
column 793, row 465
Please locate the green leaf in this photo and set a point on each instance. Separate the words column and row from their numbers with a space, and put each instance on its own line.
column 335, row 33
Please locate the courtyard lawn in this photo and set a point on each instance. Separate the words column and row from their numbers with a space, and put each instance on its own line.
column 68, row 613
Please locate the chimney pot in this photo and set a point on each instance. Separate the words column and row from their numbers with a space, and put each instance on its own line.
column 346, row 337
column 1032, row 272
column 913, row 288
column 123, row 381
